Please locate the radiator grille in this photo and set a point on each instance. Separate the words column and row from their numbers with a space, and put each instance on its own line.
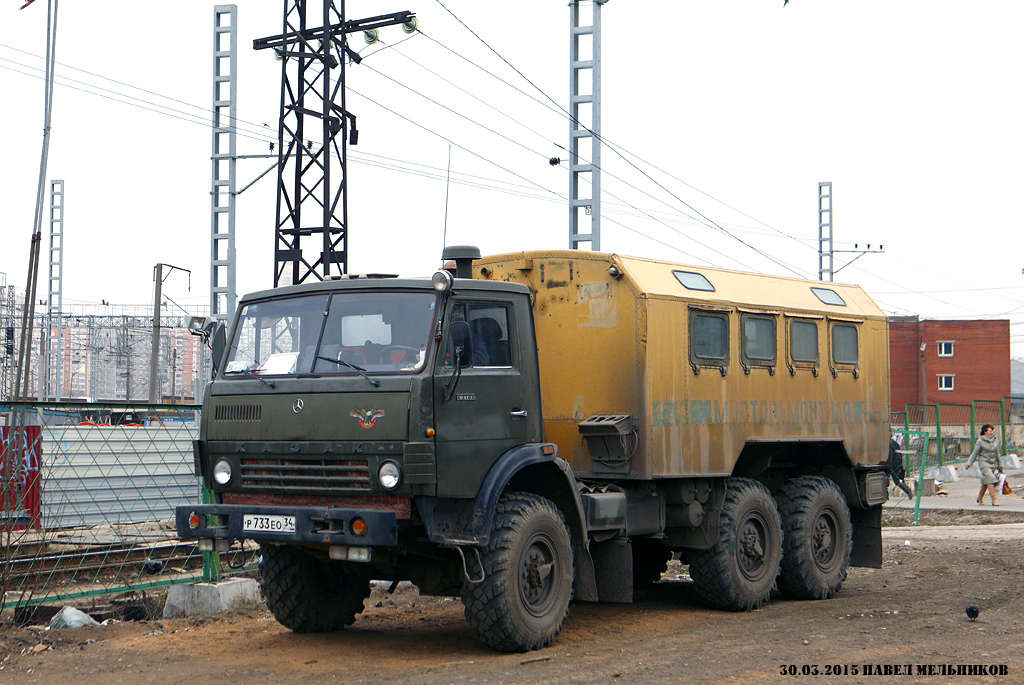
column 237, row 412
column 305, row 473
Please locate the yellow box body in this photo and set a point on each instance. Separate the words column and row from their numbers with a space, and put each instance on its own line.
column 613, row 338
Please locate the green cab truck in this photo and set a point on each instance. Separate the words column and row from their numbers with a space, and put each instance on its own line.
column 531, row 428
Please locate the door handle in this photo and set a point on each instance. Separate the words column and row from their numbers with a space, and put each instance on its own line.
column 519, row 413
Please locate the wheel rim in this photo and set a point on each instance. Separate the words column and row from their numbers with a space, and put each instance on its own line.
column 754, row 539
column 824, row 540
column 537, row 574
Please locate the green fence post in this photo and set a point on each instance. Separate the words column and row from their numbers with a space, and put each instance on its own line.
column 1002, row 422
column 973, row 432
column 920, row 479
column 211, row 560
column 938, row 432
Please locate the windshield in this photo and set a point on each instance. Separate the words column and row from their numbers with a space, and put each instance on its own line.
column 351, row 332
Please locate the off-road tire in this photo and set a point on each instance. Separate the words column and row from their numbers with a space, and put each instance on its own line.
column 528, row 573
column 817, row 538
column 649, row 561
column 310, row 595
column 739, row 572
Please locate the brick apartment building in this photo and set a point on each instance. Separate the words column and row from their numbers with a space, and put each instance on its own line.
column 960, row 361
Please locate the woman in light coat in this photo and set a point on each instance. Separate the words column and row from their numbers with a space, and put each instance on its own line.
column 986, row 453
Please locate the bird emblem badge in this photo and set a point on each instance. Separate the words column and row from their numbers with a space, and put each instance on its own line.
column 367, row 417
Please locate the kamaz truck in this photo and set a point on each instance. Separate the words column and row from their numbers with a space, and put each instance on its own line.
column 531, row 428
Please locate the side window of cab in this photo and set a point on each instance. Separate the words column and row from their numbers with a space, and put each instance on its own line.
column 482, row 333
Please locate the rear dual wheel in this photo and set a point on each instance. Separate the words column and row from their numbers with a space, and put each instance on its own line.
column 818, row 538
column 739, row 572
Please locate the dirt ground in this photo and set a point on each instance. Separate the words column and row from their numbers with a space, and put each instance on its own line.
column 908, row 614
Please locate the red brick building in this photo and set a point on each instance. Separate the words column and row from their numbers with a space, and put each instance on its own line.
column 947, row 362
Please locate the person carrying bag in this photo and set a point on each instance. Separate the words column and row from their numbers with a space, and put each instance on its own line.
column 986, row 453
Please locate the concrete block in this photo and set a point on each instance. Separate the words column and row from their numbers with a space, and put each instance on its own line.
column 1009, row 461
column 946, row 474
column 927, row 487
column 209, row 598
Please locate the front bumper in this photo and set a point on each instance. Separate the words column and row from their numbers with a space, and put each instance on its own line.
column 319, row 525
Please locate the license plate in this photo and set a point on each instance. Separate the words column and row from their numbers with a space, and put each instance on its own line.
column 267, row 523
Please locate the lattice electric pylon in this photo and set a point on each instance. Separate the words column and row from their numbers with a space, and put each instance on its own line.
column 314, row 134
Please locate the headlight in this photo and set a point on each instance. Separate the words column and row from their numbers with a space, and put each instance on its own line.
column 442, row 281
column 222, row 472
column 389, row 475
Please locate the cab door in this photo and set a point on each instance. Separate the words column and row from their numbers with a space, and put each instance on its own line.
column 483, row 402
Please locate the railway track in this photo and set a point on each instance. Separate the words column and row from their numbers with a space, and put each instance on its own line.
column 51, row 566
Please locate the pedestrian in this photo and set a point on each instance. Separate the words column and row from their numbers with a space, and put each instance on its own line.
column 986, row 453
column 896, row 470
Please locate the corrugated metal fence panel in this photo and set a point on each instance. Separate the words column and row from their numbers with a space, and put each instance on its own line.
column 94, row 475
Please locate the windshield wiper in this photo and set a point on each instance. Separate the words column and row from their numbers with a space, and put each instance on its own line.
column 250, row 374
column 361, row 371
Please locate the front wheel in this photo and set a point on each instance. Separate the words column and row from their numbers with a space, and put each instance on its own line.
column 818, row 538
column 739, row 572
column 528, row 572
column 310, row 595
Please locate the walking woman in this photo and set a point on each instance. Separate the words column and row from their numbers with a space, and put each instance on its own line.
column 986, row 453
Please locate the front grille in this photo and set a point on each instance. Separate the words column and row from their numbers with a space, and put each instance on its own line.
column 305, row 473
column 237, row 412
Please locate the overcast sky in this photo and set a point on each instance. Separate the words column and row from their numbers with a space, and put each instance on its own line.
column 734, row 111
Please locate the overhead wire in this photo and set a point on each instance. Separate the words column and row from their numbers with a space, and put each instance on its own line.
column 204, row 109
column 615, row 148
column 528, row 149
column 711, row 224
column 261, row 136
column 258, row 134
column 133, row 102
column 182, row 116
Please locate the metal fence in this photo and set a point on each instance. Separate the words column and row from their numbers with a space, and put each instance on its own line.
column 914, row 450
column 952, row 429
column 88, row 493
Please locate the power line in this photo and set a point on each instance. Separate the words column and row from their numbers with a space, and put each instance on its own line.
column 204, row 109
column 710, row 222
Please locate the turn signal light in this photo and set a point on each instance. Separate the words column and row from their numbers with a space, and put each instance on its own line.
column 358, row 527
column 548, row 449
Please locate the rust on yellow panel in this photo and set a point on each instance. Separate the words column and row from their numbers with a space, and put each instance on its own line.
column 613, row 337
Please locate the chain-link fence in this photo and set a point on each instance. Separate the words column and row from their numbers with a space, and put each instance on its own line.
column 1014, row 433
column 88, row 494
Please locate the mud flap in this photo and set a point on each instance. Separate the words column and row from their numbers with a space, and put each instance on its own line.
column 613, row 568
column 867, row 537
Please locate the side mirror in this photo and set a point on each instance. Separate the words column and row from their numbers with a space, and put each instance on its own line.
column 214, row 333
column 218, row 342
column 460, row 338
